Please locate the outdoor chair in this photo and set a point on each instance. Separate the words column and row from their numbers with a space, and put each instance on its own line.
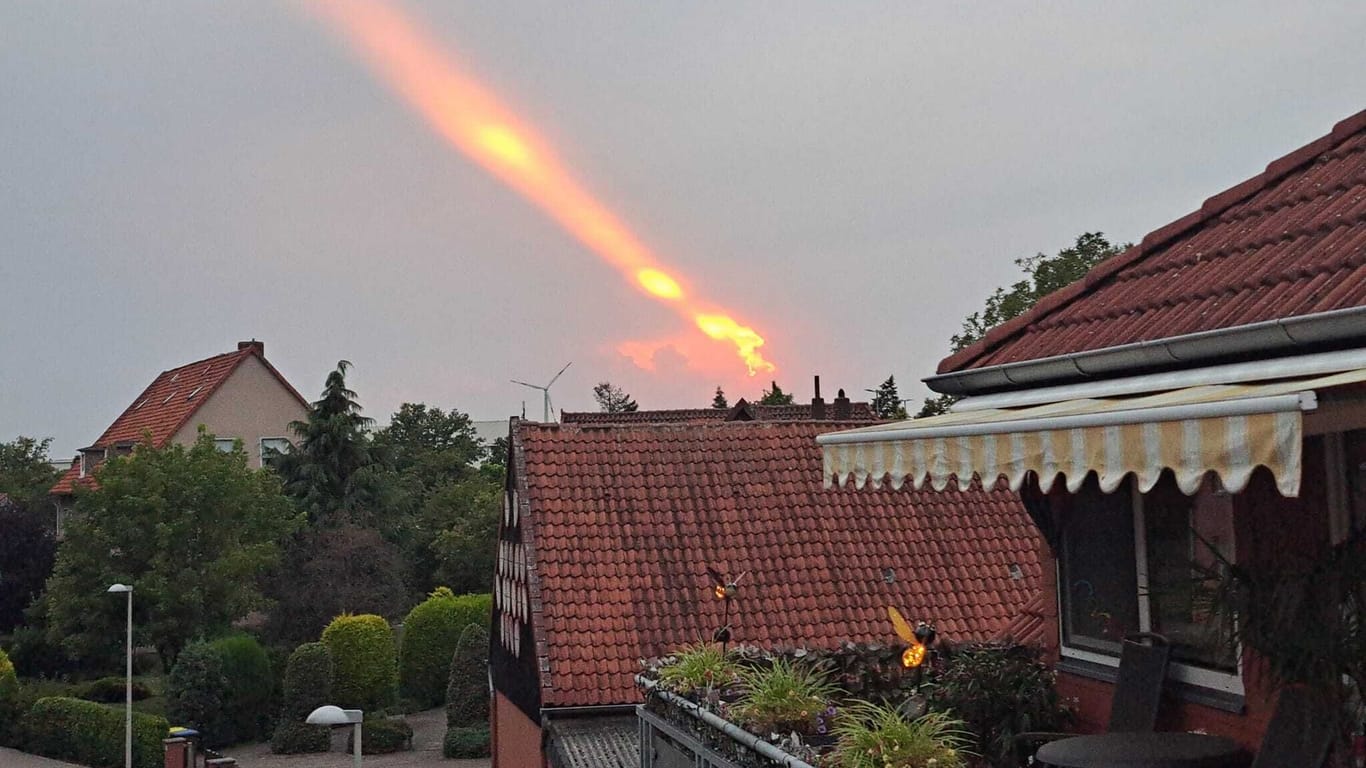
column 1300, row 731
column 1138, row 691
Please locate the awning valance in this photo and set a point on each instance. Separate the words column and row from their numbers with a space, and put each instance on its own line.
column 1228, row 429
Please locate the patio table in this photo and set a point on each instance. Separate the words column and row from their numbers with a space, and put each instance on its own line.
column 1143, row 750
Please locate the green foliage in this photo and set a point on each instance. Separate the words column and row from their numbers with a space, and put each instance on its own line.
column 114, row 690
column 430, row 634
column 25, row 474
column 222, row 521
column 465, row 517
column 331, row 570
column 365, row 667
column 719, row 401
column 382, row 736
column 467, row 696
column 887, row 401
column 873, row 736
column 613, row 399
column 27, row 553
column 998, row 691
column 775, row 396
column 1043, row 275
column 91, row 734
column 697, row 667
column 247, row 699
column 326, row 470
column 784, row 696
column 195, row 693
column 466, row 742
column 294, row 737
column 434, row 446
column 11, row 706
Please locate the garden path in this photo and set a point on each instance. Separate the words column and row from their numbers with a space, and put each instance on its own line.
column 10, row 758
column 428, row 730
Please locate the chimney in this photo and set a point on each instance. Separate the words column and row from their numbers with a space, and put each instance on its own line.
column 843, row 411
column 817, row 404
column 257, row 347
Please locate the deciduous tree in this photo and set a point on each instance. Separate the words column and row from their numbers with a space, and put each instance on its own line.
column 775, row 396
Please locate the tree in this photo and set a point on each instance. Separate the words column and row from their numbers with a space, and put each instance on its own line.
column 434, row 446
column 27, row 552
column 719, row 402
column 775, row 396
column 192, row 528
column 463, row 551
column 611, row 398
column 25, row 474
column 325, row 472
column 1043, row 275
column 887, row 401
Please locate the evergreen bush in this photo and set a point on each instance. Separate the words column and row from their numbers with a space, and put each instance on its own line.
column 91, row 734
column 430, row 633
column 382, row 736
column 467, row 694
column 11, row 707
column 247, row 700
column 195, row 692
column 295, row 737
column 114, row 690
column 307, row 686
column 466, row 742
column 365, row 667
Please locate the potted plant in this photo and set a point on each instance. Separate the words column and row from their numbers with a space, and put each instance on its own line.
column 880, row 736
column 785, row 697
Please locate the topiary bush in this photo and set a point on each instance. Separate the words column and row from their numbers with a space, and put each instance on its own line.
column 365, row 668
column 382, row 736
column 195, row 691
column 113, row 690
column 430, row 633
column 91, row 734
column 467, row 692
column 11, row 707
column 466, row 742
column 247, row 700
column 307, row 686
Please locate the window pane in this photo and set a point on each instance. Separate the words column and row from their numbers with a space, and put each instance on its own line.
column 1178, row 562
column 1099, row 586
column 272, row 448
column 224, row 444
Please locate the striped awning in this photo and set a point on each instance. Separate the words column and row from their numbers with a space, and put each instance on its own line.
column 1228, row 429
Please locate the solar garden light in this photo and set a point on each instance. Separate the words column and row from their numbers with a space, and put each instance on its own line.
column 334, row 716
column 128, row 685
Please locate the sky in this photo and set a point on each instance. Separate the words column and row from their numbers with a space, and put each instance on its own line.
column 848, row 179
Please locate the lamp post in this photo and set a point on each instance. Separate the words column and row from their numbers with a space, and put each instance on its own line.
column 128, row 684
column 333, row 716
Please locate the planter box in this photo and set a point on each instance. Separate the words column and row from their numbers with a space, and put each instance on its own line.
column 686, row 739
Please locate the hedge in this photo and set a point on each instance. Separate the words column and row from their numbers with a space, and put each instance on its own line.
column 194, row 694
column 247, row 699
column 91, row 734
column 307, row 686
column 365, row 668
column 114, row 690
column 430, row 632
column 467, row 693
column 468, row 741
column 297, row 738
column 382, row 736
column 11, row 706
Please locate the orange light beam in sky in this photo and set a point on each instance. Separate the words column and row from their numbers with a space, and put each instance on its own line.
column 475, row 122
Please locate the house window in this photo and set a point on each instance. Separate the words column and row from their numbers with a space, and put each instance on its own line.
column 272, row 448
column 225, row 444
column 1134, row 562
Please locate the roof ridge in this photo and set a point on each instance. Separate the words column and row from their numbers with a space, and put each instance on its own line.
column 1213, row 206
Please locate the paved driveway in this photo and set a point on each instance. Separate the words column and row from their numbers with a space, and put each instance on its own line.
column 9, row 758
column 428, row 729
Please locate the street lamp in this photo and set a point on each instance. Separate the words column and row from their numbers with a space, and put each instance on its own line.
column 128, row 685
column 333, row 716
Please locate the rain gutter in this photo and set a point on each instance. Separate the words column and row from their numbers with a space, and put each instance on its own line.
column 735, row 732
column 1282, row 336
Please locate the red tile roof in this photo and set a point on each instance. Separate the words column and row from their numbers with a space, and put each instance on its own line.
column 1289, row 241
column 857, row 412
column 169, row 402
column 620, row 523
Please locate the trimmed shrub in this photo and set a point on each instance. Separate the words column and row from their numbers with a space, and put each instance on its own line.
column 297, row 738
column 194, row 694
column 113, row 690
column 365, row 669
column 382, row 736
column 430, row 633
column 467, row 741
column 307, row 686
column 467, row 693
column 247, row 700
column 91, row 734
column 11, row 706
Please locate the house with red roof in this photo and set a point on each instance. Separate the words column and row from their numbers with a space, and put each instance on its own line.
column 1203, row 392
column 608, row 530
column 236, row 395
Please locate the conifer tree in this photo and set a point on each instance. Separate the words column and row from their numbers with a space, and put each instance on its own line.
column 719, row 401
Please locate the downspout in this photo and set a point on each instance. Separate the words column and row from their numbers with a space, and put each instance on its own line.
column 745, row 738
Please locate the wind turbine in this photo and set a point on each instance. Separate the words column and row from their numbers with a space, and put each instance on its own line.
column 545, row 391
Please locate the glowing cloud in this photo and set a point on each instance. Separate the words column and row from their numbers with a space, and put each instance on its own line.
column 469, row 117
